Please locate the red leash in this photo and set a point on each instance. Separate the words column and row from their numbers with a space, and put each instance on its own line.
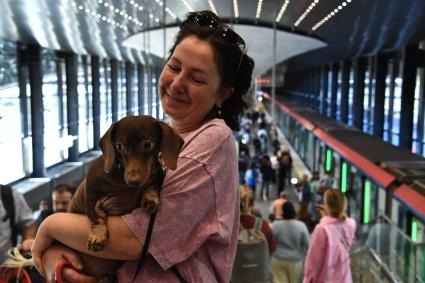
column 58, row 271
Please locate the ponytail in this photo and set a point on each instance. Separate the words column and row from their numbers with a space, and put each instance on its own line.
column 342, row 216
column 336, row 203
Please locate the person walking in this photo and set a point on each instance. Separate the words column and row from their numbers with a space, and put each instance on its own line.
column 292, row 241
column 328, row 258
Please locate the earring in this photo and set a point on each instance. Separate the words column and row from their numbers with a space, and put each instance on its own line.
column 219, row 111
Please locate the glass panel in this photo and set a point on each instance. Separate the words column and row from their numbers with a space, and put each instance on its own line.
column 122, row 91
column 105, row 97
column 14, row 147
column 338, row 96
column 418, row 117
column 395, row 130
column 85, row 117
column 56, row 147
column 356, row 200
column 134, row 91
column 350, row 99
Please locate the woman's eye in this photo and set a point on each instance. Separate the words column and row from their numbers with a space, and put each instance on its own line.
column 198, row 81
column 174, row 68
column 147, row 145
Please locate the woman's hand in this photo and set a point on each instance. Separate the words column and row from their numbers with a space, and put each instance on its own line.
column 56, row 254
column 41, row 243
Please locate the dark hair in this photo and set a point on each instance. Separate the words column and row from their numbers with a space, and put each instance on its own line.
column 65, row 187
column 234, row 65
column 288, row 210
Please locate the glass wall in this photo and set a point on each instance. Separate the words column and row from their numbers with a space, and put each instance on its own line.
column 15, row 147
column 369, row 97
column 54, row 99
column 105, row 96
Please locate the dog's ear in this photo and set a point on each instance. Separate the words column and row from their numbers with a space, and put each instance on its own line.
column 107, row 148
column 171, row 145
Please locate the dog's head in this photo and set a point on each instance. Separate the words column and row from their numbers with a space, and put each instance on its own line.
column 140, row 144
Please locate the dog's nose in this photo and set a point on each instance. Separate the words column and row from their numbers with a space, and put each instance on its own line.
column 134, row 178
column 133, row 184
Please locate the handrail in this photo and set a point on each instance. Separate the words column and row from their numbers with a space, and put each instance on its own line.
column 390, row 275
column 390, row 247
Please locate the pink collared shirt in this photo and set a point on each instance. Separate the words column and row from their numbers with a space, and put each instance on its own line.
column 327, row 260
column 197, row 222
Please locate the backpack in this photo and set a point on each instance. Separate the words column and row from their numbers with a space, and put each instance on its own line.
column 9, row 206
column 252, row 261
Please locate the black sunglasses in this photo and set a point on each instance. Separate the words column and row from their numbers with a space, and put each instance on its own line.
column 207, row 19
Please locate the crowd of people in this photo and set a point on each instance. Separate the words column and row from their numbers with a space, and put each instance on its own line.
column 310, row 233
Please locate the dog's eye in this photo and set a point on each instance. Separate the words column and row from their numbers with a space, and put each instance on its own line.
column 147, row 145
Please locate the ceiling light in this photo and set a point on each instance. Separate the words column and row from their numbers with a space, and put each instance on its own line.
column 212, row 7
column 235, row 8
column 306, row 12
column 259, row 7
column 331, row 14
column 282, row 10
column 188, row 6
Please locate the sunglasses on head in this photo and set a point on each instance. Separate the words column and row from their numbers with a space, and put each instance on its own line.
column 209, row 20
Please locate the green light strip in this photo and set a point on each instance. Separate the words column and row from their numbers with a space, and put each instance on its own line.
column 366, row 203
column 344, row 177
column 414, row 231
column 328, row 160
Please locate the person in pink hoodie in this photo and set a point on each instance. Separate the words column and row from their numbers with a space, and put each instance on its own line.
column 328, row 259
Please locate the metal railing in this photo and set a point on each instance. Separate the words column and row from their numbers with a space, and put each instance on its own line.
column 388, row 251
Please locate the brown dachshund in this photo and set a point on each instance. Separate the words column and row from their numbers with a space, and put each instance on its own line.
column 136, row 150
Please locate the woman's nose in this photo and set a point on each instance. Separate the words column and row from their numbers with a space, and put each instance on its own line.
column 177, row 83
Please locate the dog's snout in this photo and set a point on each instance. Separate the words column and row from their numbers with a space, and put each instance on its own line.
column 134, row 177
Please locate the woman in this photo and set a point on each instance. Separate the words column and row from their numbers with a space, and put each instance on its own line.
column 248, row 217
column 292, row 240
column 202, row 89
column 328, row 258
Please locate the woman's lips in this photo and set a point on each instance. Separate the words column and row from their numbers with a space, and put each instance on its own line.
column 175, row 98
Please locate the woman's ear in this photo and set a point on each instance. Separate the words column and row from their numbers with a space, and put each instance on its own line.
column 224, row 94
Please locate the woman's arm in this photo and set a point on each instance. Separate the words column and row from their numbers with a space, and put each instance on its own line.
column 72, row 230
column 316, row 254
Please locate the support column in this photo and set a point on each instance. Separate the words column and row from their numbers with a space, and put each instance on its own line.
column 141, row 88
column 408, row 95
column 129, row 87
column 114, row 89
column 71, row 70
column 324, row 96
column 34, row 56
column 95, row 77
column 334, row 89
column 380, row 85
column 345, row 88
column 358, row 95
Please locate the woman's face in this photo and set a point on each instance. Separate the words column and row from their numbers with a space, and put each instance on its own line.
column 189, row 85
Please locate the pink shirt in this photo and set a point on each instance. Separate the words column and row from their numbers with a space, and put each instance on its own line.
column 327, row 260
column 197, row 222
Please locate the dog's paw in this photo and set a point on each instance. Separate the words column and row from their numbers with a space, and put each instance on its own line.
column 150, row 201
column 97, row 237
